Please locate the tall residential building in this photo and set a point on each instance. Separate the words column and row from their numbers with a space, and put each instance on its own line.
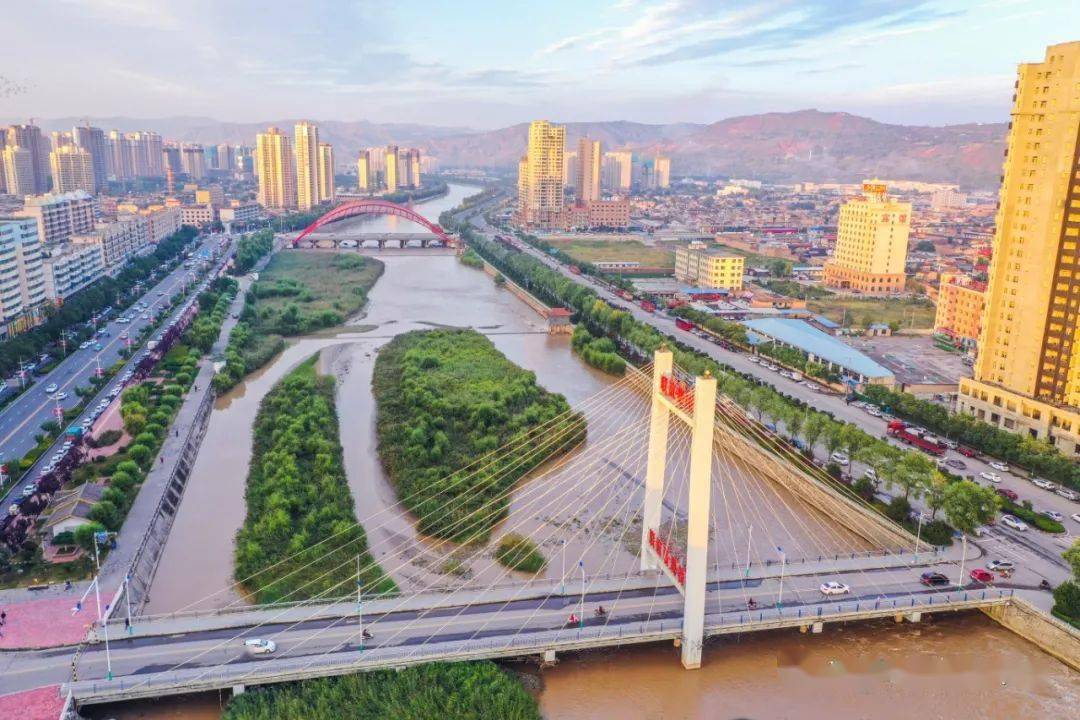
column 72, row 169
column 662, row 172
column 540, row 176
column 193, row 160
column 1027, row 375
column 710, row 268
column 306, row 146
column 587, row 171
column 391, row 172
column 171, row 160
column 618, row 170
column 415, row 163
column 59, row 216
column 30, row 137
column 22, row 281
column 365, row 181
column 19, row 170
column 326, row 172
column 275, row 169
column 60, row 139
column 92, row 140
column 226, row 159
column 147, row 158
column 121, row 159
column 871, row 243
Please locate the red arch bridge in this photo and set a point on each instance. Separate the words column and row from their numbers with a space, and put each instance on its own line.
column 356, row 208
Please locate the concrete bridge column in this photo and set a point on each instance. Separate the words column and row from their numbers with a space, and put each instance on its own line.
column 657, row 458
column 697, row 531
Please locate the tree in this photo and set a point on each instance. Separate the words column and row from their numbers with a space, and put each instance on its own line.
column 816, row 425
column 878, row 455
column 84, row 535
column 794, row 419
column 934, row 492
column 1072, row 556
column 968, row 505
column 912, row 473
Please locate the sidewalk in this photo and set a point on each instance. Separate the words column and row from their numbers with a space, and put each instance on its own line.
column 42, row 703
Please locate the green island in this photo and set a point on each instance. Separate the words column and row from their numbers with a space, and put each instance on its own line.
column 299, row 292
column 446, row 398
column 477, row 691
column 300, row 537
column 600, row 352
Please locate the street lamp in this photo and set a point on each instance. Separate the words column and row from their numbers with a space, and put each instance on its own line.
column 918, row 535
column 783, row 565
column 581, row 615
column 749, row 535
column 963, row 558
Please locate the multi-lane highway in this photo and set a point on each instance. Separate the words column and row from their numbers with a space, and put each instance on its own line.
column 21, row 420
column 1032, row 547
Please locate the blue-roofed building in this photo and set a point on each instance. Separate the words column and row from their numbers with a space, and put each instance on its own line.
column 823, row 348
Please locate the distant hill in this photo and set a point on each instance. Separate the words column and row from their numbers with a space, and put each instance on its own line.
column 781, row 147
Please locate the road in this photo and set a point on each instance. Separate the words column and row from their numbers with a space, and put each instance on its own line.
column 1032, row 548
column 409, row 632
column 22, row 419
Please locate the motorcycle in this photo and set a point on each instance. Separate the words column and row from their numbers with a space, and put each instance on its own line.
column 1045, row 585
column 600, row 611
column 573, row 620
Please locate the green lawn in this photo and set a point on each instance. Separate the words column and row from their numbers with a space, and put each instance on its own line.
column 316, row 283
column 860, row 312
column 592, row 251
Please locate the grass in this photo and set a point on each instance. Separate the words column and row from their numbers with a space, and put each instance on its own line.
column 337, row 283
column 592, row 251
column 861, row 312
column 518, row 552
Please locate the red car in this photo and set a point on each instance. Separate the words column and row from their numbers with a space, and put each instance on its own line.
column 982, row 576
column 966, row 451
column 1007, row 493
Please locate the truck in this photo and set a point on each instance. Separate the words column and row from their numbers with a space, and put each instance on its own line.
column 911, row 435
column 684, row 324
column 648, row 306
column 575, row 269
column 624, row 294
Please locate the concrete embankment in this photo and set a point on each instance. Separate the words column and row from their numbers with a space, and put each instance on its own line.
column 1051, row 635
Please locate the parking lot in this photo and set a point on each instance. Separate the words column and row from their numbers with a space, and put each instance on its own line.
column 914, row 359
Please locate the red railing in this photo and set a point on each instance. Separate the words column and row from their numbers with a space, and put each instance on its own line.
column 678, row 391
column 671, row 561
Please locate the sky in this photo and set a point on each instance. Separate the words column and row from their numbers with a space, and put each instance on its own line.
column 481, row 64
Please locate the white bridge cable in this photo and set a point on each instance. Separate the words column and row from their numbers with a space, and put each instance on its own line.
column 513, row 445
column 630, row 443
column 247, row 630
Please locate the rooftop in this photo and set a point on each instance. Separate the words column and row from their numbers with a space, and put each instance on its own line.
column 808, row 338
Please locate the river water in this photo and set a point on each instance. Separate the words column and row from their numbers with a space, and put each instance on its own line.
column 891, row 672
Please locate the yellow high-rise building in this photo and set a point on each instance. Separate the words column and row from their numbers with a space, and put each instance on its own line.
column 72, row 169
column 1027, row 375
column 307, row 165
column 391, row 168
column 326, row 172
column 871, row 243
column 586, row 173
column 363, row 172
column 275, row 168
column 540, row 176
column 710, row 268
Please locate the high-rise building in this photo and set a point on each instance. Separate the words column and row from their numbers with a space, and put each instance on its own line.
column 22, row 281
column 871, row 243
column 275, row 169
column 587, row 171
column 72, row 169
column 307, row 165
column 540, row 176
column 618, row 171
column 30, row 138
column 171, row 160
column 59, row 216
column 193, row 160
column 147, row 158
column 959, row 313
column 415, row 163
column 226, row 159
column 19, row 170
column 662, row 172
column 391, row 173
column 120, row 165
column 92, row 140
column 364, row 180
column 245, row 160
column 1027, row 374
column 326, row 172
column 61, row 139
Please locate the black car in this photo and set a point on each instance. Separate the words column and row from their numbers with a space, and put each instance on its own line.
column 934, row 579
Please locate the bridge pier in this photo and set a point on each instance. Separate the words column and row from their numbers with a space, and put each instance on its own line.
column 657, row 459
column 548, row 659
column 238, row 690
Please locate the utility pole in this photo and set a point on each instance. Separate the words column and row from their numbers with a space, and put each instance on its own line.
column 581, row 615
column 101, row 617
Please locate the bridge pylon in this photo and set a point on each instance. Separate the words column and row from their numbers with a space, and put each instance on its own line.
column 695, row 406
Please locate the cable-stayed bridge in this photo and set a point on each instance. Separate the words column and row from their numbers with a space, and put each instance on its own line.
column 679, row 516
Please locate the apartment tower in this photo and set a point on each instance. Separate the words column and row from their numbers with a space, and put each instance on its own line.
column 72, row 169
column 307, row 165
column 30, row 138
column 1027, row 375
column 587, row 171
column 540, row 176
column 326, row 172
column 275, row 169
column 364, row 181
column 391, row 168
column 92, row 140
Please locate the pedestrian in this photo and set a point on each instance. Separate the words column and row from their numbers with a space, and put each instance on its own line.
column 162, row 459
column 3, row 617
column 67, row 584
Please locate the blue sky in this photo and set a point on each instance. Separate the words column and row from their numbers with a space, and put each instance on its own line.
column 487, row 64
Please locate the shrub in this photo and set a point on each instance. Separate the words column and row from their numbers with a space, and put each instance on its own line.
column 140, row 454
column 898, row 509
column 122, row 480
column 518, row 552
column 84, row 535
column 1067, row 599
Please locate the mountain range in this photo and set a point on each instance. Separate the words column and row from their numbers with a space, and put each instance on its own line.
column 806, row 145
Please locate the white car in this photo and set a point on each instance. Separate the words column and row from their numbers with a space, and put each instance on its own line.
column 51, row 388
column 834, row 588
column 1067, row 494
column 995, row 565
column 873, row 411
column 1053, row 515
column 257, row 646
column 990, row 476
column 60, row 395
column 870, row 474
column 1075, row 517
column 1044, row 484
column 839, row 458
column 999, row 466
column 1013, row 522
column 752, row 359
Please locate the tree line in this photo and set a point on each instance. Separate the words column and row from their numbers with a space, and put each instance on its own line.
column 250, row 249
column 446, row 398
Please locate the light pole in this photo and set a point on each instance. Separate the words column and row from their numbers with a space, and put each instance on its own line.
column 963, row 558
column 97, row 595
column 359, row 602
column 749, row 535
column 562, row 575
column 783, row 565
column 918, row 535
column 581, row 616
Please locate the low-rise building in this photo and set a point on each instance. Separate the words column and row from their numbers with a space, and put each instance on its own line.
column 162, row 222
column 60, row 215
column 240, row 212
column 198, row 215
column 960, row 305
column 70, row 509
column 212, row 195
column 710, row 268
column 118, row 240
column 69, row 268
